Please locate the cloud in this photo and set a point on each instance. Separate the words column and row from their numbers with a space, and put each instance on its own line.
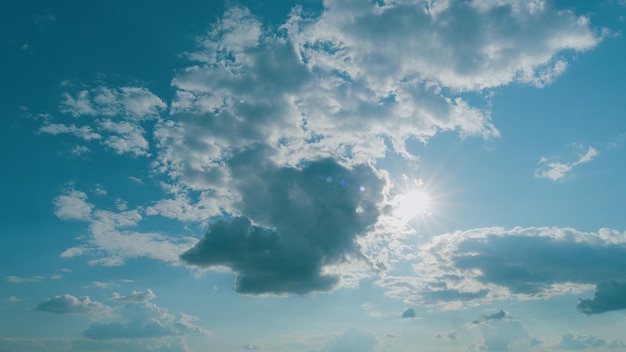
column 144, row 321
column 131, row 102
column 307, row 218
column 522, row 262
column 73, row 206
column 409, row 313
column 18, row 280
column 128, row 139
column 12, row 299
column 135, row 296
column 251, row 347
column 555, row 171
column 68, row 304
column 610, row 295
column 83, row 132
column 501, row 332
column 352, row 340
column 571, row 341
column 111, row 242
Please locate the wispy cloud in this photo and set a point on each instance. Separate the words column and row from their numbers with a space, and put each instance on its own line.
column 555, row 171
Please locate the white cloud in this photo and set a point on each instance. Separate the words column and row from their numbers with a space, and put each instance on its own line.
column 555, row 171
column 109, row 239
column 84, row 132
column 128, row 137
column 501, row 332
column 131, row 102
column 73, row 206
column 68, row 304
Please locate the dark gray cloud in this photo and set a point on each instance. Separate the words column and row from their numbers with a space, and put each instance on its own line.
column 297, row 221
column 609, row 296
column 409, row 313
column 529, row 264
column 486, row 263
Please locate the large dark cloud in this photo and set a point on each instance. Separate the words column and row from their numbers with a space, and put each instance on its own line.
column 528, row 264
column 609, row 296
column 297, row 221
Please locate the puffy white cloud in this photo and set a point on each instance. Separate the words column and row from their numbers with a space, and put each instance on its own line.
column 501, row 332
column 68, row 304
column 73, row 206
column 144, row 320
column 128, row 138
column 555, row 171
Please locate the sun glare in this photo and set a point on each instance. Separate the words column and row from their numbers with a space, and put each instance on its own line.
column 412, row 204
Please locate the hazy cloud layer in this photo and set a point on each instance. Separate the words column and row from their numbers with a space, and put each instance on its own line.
column 352, row 340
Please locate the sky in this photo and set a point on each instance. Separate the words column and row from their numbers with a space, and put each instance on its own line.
column 315, row 176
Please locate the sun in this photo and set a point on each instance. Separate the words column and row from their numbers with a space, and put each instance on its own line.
column 411, row 205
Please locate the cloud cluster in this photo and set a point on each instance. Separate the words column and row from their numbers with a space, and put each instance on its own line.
column 140, row 319
column 308, row 218
column 110, row 240
column 272, row 127
column 495, row 263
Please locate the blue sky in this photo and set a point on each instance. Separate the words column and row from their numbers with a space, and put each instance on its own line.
column 313, row 176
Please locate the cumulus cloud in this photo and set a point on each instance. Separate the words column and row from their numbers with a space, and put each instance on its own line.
column 68, row 304
column 571, row 341
column 73, row 206
column 144, row 320
column 555, row 171
column 251, row 347
column 128, row 137
column 501, row 332
column 522, row 262
column 307, row 218
column 610, row 295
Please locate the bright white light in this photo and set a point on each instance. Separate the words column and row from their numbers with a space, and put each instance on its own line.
column 410, row 205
